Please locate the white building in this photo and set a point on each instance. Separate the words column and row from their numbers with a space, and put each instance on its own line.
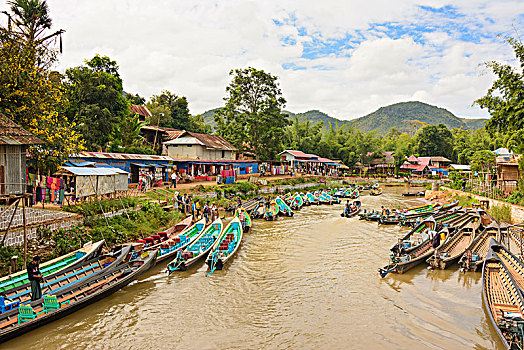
column 190, row 145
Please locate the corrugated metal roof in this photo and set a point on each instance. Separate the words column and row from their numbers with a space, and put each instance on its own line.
column 13, row 134
column 211, row 141
column 299, row 154
column 140, row 110
column 91, row 171
column 120, row 156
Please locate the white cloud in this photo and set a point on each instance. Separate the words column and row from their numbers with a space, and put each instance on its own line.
column 189, row 47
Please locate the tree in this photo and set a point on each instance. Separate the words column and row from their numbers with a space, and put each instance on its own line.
column 483, row 161
column 505, row 98
column 135, row 99
column 435, row 140
column 178, row 117
column 96, row 101
column 303, row 136
column 252, row 117
column 30, row 94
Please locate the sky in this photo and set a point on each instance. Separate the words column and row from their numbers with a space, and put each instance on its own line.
column 346, row 58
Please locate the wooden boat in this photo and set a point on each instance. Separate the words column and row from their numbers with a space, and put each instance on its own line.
column 502, row 300
column 244, row 218
column 271, row 211
column 312, row 198
column 391, row 219
column 415, row 237
column 323, row 198
column 449, row 205
column 339, row 193
column 225, row 246
column 305, row 199
column 198, row 249
column 73, row 298
column 63, row 278
column 513, row 264
column 414, row 194
column 169, row 248
column 259, row 210
column 376, row 192
column 370, row 215
column 451, row 250
column 283, row 208
column 297, row 202
column 400, row 263
column 155, row 241
column 355, row 194
column 353, row 212
column 88, row 251
column 474, row 256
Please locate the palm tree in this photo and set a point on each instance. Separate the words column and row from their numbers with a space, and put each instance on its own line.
column 31, row 17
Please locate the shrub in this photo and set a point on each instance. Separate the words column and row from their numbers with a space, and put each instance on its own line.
column 501, row 213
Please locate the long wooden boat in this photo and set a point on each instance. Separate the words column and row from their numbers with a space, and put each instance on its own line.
column 400, row 263
column 312, row 198
column 88, row 251
column 414, row 194
column 271, row 211
column 169, row 248
column 451, row 250
column 297, row 202
column 370, row 215
column 244, row 218
column 355, row 194
column 225, row 246
column 259, row 210
column 376, row 192
column 75, row 297
column 305, row 199
column 155, row 241
column 77, row 273
column 449, row 205
column 513, row 264
column 283, row 207
column 474, row 256
column 198, row 249
column 503, row 301
column 414, row 238
column 353, row 212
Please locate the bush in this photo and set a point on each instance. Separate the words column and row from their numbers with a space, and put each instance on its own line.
column 501, row 213
column 515, row 198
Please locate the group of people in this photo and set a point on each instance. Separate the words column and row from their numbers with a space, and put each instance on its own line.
column 146, row 182
column 350, row 207
column 187, row 205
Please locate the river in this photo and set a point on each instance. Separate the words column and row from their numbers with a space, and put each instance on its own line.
column 298, row 283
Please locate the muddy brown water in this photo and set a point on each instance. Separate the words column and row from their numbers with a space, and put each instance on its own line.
column 298, row 283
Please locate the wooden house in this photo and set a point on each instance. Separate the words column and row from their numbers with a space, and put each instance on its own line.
column 13, row 146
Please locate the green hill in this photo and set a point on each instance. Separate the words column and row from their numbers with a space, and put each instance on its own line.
column 405, row 116
column 408, row 117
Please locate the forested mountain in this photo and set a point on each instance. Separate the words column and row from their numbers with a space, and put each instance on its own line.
column 405, row 116
column 409, row 117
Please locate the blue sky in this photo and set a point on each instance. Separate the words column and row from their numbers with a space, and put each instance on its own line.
column 346, row 58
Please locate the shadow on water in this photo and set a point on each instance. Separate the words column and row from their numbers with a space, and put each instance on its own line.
column 303, row 282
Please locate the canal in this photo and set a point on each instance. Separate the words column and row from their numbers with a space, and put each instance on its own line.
column 298, row 283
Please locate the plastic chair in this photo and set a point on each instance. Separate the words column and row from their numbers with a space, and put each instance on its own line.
column 26, row 313
column 51, row 303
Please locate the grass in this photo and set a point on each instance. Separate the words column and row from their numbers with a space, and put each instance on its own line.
column 501, row 213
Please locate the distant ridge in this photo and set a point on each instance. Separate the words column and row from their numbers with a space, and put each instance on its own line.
column 405, row 116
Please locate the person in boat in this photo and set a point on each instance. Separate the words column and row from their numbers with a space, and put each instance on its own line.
column 242, row 218
column 346, row 210
column 34, row 275
column 436, row 240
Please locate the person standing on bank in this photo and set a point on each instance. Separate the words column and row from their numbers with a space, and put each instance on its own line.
column 173, row 180
column 34, row 274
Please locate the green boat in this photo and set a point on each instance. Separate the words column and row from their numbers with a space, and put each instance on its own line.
column 283, row 207
column 271, row 211
column 198, row 249
column 88, row 251
column 305, row 199
column 297, row 202
column 225, row 246
column 246, row 219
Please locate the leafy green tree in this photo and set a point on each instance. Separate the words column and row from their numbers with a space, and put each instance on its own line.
column 252, row 117
column 178, row 117
column 483, row 160
column 435, row 140
column 96, row 101
column 303, row 136
column 505, row 99
column 135, row 99
column 30, row 94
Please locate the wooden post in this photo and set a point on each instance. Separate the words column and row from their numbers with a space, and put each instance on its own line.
column 25, row 232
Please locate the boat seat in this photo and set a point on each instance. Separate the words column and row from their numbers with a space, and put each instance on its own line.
column 6, row 307
column 51, row 303
column 26, row 313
